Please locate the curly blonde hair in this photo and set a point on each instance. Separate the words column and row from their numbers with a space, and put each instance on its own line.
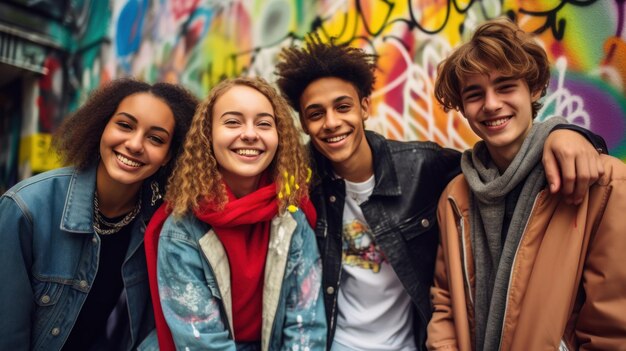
column 196, row 177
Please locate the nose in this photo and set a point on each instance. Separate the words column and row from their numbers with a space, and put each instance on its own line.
column 249, row 133
column 134, row 143
column 492, row 102
column 331, row 121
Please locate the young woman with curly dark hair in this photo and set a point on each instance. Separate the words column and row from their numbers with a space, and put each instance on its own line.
column 72, row 238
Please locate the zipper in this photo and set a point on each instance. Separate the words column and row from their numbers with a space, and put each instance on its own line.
column 506, row 306
column 456, row 209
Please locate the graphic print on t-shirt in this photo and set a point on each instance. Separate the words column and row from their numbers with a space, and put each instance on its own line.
column 359, row 248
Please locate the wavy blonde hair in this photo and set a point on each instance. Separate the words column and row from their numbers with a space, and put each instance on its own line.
column 196, row 177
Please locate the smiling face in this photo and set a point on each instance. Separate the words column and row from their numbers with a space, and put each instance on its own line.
column 499, row 111
column 245, row 138
column 332, row 115
column 135, row 142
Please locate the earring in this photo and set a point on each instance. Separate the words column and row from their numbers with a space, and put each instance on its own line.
column 156, row 194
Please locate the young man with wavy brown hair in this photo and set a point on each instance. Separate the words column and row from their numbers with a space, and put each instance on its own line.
column 518, row 268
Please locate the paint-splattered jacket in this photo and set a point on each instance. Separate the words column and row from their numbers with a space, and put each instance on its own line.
column 194, row 285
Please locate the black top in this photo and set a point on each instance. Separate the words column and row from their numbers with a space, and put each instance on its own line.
column 90, row 331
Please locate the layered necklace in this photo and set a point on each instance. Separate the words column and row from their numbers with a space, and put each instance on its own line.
column 103, row 227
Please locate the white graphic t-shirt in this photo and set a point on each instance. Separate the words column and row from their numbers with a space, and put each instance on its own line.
column 374, row 310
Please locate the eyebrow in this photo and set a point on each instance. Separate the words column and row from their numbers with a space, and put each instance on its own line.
column 237, row 113
column 336, row 100
column 134, row 119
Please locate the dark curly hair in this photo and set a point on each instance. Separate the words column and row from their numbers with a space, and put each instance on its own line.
column 299, row 67
column 78, row 138
column 497, row 44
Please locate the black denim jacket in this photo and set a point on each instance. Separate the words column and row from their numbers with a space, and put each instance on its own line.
column 401, row 213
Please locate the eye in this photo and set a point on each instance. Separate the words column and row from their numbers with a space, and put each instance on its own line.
column 471, row 97
column 156, row 139
column 315, row 115
column 231, row 122
column 507, row 87
column 344, row 108
column 124, row 125
column 265, row 124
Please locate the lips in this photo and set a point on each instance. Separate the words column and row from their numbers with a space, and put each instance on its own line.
column 248, row 152
column 496, row 122
column 336, row 139
column 127, row 161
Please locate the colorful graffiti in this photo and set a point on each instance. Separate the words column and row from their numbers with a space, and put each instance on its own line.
column 197, row 43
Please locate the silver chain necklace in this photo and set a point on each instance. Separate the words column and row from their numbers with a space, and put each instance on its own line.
column 99, row 223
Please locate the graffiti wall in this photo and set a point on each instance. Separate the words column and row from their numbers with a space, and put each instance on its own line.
column 197, row 43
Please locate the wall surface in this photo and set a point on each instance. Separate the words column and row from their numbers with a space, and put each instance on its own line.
column 197, row 43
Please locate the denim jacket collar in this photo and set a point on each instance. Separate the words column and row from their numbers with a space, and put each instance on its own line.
column 78, row 209
column 384, row 169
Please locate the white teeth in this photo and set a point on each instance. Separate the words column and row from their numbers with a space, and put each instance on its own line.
column 127, row 162
column 248, row 152
column 496, row 122
column 337, row 138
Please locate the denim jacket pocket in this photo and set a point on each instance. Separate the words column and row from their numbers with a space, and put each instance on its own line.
column 47, row 295
column 421, row 223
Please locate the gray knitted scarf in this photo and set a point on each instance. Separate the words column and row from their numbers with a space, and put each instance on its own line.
column 492, row 258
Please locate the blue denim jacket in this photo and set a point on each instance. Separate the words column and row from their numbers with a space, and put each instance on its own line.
column 194, row 286
column 49, row 259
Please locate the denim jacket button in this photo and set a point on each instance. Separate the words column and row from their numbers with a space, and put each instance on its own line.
column 83, row 284
column 425, row 223
column 55, row 331
column 330, row 290
column 332, row 198
column 45, row 299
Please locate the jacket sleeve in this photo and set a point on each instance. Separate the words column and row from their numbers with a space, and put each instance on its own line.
column 602, row 320
column 16, row 295
column 305, row 319
column 191, row 310
column 596, row 140
column 441, row 332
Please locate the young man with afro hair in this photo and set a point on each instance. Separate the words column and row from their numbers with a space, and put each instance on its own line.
column 377, row 199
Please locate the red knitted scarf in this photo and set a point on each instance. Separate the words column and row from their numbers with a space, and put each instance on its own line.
column 243, row 227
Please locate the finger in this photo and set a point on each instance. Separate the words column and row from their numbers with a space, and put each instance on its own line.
column 568, row 179
column 600, row 166
column 552, row 171
column 583, row 180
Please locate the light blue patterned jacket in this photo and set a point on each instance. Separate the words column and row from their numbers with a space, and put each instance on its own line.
column 194, row 285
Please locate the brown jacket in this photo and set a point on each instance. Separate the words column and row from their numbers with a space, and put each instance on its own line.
column 568, row 280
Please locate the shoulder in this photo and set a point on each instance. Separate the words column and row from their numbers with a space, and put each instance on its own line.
column 42, row 182
column 292, row 226
column 425, row 151
column 457, row 189
column 44, row 188
column 187, row 228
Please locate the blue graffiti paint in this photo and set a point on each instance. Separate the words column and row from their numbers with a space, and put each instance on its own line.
column 129, row 27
